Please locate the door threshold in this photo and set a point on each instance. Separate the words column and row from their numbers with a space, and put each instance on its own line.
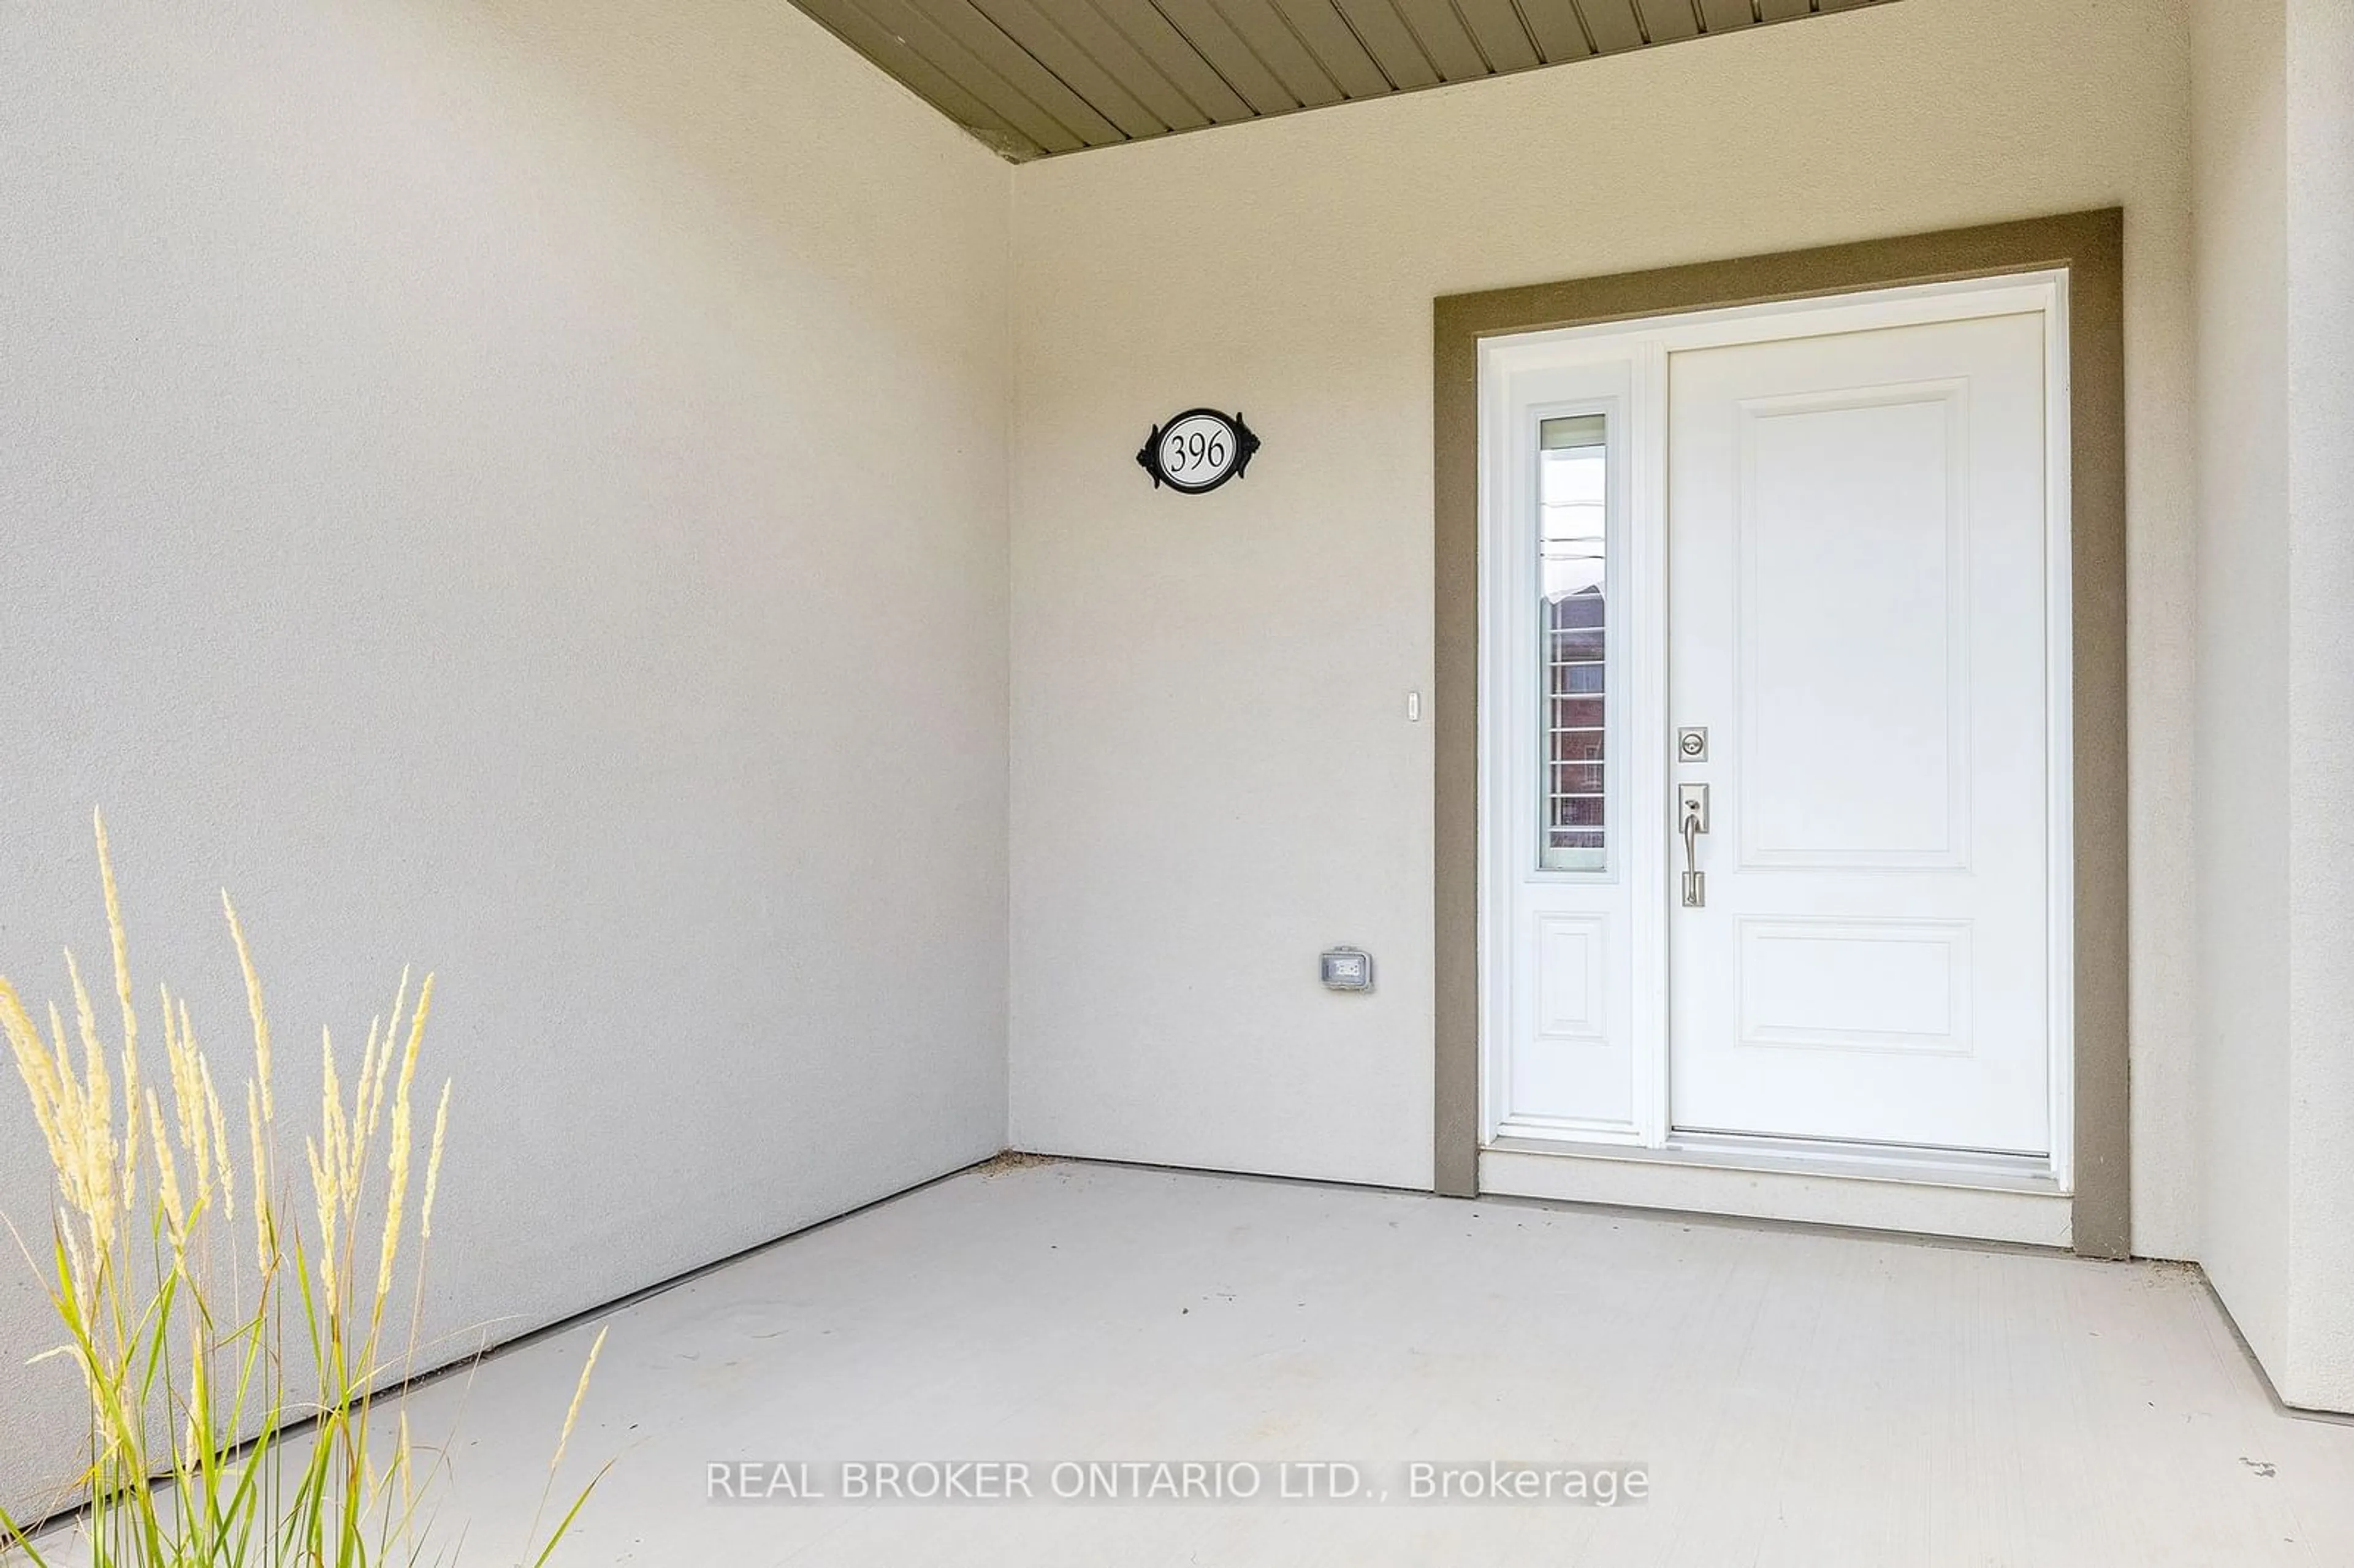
column 1817, row 1156
column 2005, row 1198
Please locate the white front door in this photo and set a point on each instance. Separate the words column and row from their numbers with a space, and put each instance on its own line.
column 1809, row 560
column 1856, row 617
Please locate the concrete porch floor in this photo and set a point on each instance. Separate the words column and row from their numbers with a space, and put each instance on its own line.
column 1800, row 1399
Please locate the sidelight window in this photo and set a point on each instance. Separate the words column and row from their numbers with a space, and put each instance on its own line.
column 1572, row 479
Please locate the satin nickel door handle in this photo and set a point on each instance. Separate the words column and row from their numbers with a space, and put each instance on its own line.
column 1691, row 807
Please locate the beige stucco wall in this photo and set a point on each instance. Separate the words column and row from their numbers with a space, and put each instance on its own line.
column 1214, row 776
column 2274, row 142
column 517, row 488
column 2320, row 370
column 2240, row 188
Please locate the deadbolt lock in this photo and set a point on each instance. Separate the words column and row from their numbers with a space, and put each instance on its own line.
column 1691, row 744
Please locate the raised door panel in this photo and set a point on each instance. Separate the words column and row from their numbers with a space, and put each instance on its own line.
column 1853, row 647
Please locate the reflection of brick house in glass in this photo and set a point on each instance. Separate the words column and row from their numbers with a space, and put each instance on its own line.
column 1573, row 731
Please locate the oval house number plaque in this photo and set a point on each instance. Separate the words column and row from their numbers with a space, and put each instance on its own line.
column 1198, row 451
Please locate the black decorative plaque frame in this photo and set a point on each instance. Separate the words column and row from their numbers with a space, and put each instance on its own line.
column 1245, row 444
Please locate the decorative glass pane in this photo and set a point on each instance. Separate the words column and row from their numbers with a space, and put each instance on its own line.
column 1572, row 488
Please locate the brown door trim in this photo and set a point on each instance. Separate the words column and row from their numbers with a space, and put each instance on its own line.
column 2091, row 245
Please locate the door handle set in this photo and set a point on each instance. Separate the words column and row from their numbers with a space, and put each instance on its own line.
column 1691, row 815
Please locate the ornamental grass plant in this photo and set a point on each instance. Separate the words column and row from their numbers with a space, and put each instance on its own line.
column 236, row 1327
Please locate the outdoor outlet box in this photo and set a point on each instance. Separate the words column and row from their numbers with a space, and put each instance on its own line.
column 1347, row 968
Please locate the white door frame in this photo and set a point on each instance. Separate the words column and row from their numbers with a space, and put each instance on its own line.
column 1638, row 351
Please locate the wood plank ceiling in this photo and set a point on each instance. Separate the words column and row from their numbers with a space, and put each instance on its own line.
column 1033, row 78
